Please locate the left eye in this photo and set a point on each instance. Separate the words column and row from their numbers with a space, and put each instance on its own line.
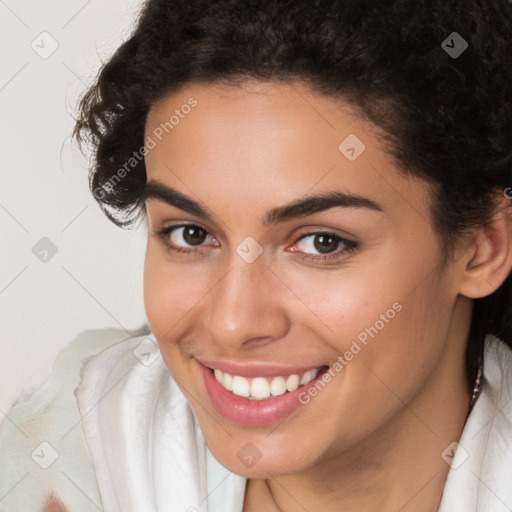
column 325, row 244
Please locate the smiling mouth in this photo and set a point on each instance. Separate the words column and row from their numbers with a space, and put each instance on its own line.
column 264, row 396
column 263, row 388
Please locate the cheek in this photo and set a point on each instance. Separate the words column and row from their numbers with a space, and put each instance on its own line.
column 398, row 336
column 386, row 317
column 175, row 295
column 337, row 304
column 168, row 293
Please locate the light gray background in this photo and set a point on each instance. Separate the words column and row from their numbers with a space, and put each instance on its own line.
column 95, row 278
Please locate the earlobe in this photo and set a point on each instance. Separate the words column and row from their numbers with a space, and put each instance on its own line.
column 489, row 260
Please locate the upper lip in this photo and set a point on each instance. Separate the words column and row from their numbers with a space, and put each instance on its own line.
column 255, row 369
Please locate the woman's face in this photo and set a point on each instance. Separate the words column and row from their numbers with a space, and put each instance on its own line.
column 263, row 291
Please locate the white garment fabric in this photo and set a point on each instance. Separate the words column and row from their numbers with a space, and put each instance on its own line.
column 148, row 451
column 133, row 443
column 482, row 482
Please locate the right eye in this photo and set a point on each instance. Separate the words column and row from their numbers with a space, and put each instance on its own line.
column 175, row 238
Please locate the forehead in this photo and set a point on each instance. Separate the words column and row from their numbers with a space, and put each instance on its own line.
column 253, row 113
column 272, row 142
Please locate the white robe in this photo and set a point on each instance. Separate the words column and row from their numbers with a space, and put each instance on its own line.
column 127, row 440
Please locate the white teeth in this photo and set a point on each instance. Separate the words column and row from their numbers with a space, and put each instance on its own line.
column 292, row 382
column 224, row 378
column 308, row 376
column 241, row 386
column 262, row 388
column 278, row 386
column 228, row 381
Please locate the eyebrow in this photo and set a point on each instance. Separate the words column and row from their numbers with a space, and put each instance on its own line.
column 302, row 207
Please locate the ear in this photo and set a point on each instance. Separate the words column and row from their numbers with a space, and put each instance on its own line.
column 489, row 258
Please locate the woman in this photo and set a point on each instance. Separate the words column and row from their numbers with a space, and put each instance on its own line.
column 327, row 279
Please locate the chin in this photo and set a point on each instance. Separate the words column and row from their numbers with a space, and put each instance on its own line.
column 259, row 458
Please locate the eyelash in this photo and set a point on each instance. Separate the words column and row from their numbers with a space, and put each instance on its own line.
column 350, row 246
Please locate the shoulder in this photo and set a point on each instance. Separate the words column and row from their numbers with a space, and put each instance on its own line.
column 122, row 368
column 497, row 369
column 42, row 447
column 496, row 396
column 137, row 423
column 491, row 428
column 497, row 389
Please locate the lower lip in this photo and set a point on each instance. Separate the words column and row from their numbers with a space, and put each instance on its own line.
column 253, row 413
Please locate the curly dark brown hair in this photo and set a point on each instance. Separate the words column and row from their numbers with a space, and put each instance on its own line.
column 447, row 118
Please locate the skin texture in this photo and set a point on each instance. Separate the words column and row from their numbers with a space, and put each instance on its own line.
column 373, row 437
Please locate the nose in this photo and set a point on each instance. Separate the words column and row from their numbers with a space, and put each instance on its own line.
column 245, row 308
